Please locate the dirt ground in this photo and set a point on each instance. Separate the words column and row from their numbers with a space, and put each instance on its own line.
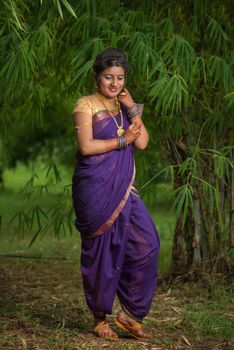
column 42, row 307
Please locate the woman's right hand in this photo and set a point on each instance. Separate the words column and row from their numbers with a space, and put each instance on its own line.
column 132, row 132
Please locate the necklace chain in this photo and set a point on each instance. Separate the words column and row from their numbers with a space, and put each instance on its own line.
column 120, row 130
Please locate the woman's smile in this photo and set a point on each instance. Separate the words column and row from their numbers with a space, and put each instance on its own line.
column 113, row 89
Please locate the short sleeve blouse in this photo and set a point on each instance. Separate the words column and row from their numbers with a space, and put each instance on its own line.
column 83, row 105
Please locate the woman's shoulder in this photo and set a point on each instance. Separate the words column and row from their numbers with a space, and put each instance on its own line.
column 89, row 104
column 84, row 104
column 88, row 98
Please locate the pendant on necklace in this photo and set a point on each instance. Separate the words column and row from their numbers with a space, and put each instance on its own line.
column 120, row 131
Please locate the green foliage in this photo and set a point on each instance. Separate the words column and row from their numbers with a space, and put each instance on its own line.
column 181, row 55
column 57, row 218
column 66, row 4
column 43, row 206
column 170, row 94
column 214, row 325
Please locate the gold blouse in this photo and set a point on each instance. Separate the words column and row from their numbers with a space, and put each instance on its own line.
column 89, row 105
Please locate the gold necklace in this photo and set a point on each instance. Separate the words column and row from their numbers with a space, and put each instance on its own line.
column 120, row 130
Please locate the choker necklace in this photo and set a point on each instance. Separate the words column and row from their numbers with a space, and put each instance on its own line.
column 120, row 130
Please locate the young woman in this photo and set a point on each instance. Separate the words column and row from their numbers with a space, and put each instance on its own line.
column 120, row 244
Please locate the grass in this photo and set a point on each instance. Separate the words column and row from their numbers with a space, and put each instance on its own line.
column 212, row 315
column 42, row 305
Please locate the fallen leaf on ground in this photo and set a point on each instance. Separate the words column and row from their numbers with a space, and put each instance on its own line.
column 186, row 340
column 178, row 321
column 177, row 309
column 23, row 343
column 167, row 319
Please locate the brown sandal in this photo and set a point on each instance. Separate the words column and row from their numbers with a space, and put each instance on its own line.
column 135, row 330
column 102, row 329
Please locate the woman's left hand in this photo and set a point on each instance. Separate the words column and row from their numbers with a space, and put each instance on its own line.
column 126, row 99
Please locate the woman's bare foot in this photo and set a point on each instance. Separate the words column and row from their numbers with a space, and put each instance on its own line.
column 102, row 329
column 131, row 326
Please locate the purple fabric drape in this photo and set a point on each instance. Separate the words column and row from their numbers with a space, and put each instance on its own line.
column 122, row 261
column 101, row 183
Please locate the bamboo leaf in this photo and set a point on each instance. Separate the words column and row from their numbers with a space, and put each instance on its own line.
column 35, row 237
column 217, row 34
column 184, row 201
column 57, row 3
column 69, row 8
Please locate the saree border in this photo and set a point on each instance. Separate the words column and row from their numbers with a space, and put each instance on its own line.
column 109, row 222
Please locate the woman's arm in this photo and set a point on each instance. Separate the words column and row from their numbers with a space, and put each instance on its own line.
column 89, row 146
column 142, row 141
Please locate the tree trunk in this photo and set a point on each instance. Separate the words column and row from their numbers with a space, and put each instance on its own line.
column 179, row 256
column 197, row 233
column 232, row 206
column 208, row 232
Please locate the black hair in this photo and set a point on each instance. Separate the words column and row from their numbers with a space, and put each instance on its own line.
column 110, row 57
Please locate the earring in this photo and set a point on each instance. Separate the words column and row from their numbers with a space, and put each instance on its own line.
column 123, row 93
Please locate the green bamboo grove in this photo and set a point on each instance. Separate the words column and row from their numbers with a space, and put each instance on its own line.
column 182, row 58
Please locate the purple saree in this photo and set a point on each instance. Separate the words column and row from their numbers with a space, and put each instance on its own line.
column 102, row 183
column 120, row 244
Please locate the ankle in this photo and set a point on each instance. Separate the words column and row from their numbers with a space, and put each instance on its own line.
column 123, row 317
column 98, row 318
column 127, row 319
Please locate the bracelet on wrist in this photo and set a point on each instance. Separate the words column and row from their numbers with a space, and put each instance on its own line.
column 133, row 111
column 121, row 142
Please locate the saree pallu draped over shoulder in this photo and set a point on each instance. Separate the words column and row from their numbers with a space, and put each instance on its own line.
column 102, row 183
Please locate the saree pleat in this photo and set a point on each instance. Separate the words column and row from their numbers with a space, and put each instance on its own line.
column 124, row 261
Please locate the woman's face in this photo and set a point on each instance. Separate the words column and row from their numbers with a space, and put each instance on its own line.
column 111, row 81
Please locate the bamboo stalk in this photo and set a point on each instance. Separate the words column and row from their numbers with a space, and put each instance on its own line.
column 232, row 204
column 179, row 260
column 197, row 232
